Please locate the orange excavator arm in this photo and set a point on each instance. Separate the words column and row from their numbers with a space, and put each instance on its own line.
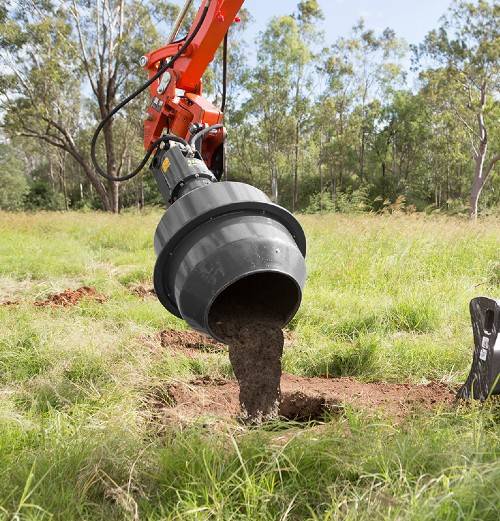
column 178, row 106
column 218, row 242
column 178, row 111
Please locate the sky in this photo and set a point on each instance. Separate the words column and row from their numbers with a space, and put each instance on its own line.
column 411, row 19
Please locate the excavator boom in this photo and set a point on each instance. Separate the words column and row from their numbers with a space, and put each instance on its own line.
column 218, row 242
column 178, row 106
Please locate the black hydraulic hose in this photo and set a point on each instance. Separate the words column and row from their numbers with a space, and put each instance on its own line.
column 134, row 95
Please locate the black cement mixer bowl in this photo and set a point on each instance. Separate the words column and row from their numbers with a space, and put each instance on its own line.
column 228, row 242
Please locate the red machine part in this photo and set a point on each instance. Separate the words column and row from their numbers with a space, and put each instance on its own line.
column 177, row 101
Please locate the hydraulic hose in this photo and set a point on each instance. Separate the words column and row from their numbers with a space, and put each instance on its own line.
column 169, row 64
column 203, row 133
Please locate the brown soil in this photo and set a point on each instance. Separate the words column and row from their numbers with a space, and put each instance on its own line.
column 65, row 299
column 10, row 303
column 246, row 318
column 142, row 291
column 189, row 343
column 255, row 351
column 71, row 298
column 302, row 398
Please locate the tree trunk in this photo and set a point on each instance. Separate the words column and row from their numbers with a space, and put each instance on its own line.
column 480, row 173
column 384, row 181
column 62, row 176
column 362, row 155
column 114, row 189
column 274, row 185
column 141, row 194
column 334, row 182
column 477, row 188
column 100, row 189
column 109, row 142
column 479, row 180
column 51, row 173
column 225, row 161
column 321, row 178
column 296, row 168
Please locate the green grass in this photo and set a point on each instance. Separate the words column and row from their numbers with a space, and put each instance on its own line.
column 387, row 300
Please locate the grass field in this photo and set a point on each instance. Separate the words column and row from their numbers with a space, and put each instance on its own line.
column 387, row 300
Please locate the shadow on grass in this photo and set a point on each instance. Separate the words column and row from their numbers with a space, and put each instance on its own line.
column 358, row 360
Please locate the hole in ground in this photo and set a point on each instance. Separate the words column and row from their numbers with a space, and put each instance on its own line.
column 302, row 407
column 303, row 398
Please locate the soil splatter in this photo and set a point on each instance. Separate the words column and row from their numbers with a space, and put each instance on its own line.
column 189, row 343
column 142, row 291
column 249, row 317
column 8, row 303
column 255, row 349
column 302, row 398
column 71, row 298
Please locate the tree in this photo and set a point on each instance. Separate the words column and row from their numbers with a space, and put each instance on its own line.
column 41, row 96
column 13, row 182
column 235, row 152
column 55, row 52
column 361, row 73
column 269, row 89
column 318, row 128
column 308, row 15
column 278, row 94
column 466, row 49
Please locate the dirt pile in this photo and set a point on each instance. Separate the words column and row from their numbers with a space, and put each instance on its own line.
column 189, row 343
column 142, row 291
column 67, row 298
column 7, row 303
column 71, row 298
column 255, row 343
column 302, row 398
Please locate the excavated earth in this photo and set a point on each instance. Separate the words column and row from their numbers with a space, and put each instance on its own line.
column 71, row 297
column 67, row 298
column 302, row 398
column 142, row 291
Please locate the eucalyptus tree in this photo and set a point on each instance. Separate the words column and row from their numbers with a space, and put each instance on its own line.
column 68, row 63
column 279, row 95
column 463, row 68
column 362, row 71
column 308, row 15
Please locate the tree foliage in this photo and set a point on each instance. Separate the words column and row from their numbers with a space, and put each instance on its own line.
column 320, row 126
column 14, row 181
